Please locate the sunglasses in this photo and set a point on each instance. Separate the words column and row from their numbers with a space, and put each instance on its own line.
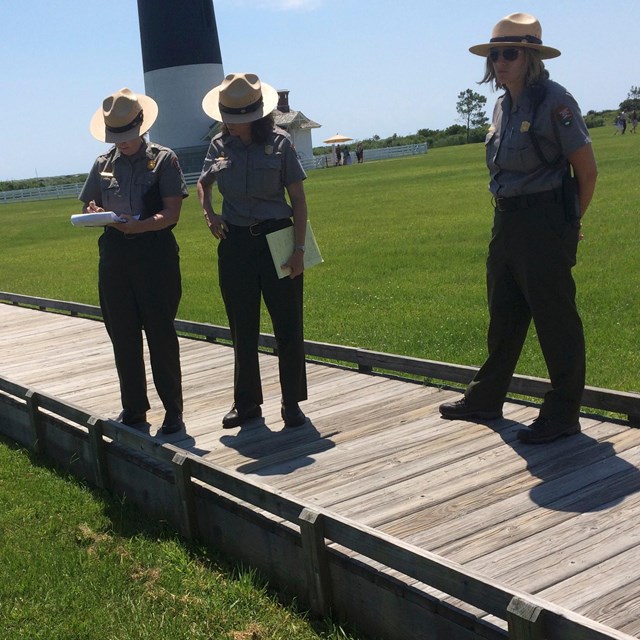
column 510, row 54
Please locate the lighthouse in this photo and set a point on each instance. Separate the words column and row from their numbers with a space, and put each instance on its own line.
column 182, row 62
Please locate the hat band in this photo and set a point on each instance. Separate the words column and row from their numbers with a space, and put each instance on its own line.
column 529, row 39
column 233, row 111
column 136, row 122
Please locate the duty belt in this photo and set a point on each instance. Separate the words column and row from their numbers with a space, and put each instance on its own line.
column 528, row 200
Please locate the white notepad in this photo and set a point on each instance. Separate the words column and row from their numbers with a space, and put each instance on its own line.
column 282, row 243
column 95, row 219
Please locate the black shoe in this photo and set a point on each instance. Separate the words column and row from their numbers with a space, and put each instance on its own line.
column 292, row 415
column 461, row 409
column 547, row 430
column 131, row 419
column 240, row 414
column 172, row 423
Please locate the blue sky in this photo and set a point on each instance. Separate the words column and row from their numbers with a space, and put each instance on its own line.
column 358, row 67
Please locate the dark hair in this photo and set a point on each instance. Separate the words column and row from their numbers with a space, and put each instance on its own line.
column 535, row 70
column 261, row 129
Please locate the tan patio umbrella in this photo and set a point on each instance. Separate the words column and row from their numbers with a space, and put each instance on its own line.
column 338, row 138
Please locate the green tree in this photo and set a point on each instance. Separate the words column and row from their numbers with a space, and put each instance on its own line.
column 633, row 100
column 470, row 106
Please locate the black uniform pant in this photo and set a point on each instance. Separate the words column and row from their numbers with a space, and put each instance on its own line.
column 246, row 274
column 531, row 254
column 140, row 288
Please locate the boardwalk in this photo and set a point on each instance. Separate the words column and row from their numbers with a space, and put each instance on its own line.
column 560, row 521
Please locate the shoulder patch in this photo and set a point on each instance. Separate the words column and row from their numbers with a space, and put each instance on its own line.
column 564, row 115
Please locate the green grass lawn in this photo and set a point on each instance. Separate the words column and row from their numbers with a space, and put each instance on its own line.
column 81, row 565
column 404, row 243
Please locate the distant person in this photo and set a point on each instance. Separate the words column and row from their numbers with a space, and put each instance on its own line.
column 623, row 121
column 346, row 155
column 618, row 125
column 360, row 153
column 139, row 270
column 536, row 136
column 255, row 165
column 634, row 121
column 338, row 155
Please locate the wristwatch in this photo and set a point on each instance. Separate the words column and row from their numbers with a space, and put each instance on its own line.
column 299, row 247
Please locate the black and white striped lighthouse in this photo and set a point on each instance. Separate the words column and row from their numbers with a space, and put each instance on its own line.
column 182, row 62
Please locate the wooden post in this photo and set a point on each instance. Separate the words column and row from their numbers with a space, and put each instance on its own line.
column 39, row 433
column 98, row 453
column 524, row 620
column 184, row 489
column 315, row 562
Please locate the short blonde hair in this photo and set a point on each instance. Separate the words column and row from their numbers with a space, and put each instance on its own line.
column 536, row 70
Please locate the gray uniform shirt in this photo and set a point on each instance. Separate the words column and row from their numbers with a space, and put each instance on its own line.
column 251, row 178
column 514, row 166
column 118, row 182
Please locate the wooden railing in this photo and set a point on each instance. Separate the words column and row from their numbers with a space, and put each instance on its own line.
column 45, row 424
column 620, row 402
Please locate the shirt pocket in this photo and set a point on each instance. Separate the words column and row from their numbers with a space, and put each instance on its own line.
column 517, row 153
column 144, row 181
column 266, row 177
column 110, row 190
column 219, row 171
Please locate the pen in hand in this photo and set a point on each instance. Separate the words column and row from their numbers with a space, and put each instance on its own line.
column 93, row 208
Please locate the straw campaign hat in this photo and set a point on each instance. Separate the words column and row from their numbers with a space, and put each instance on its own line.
column 518, row 30
column 241, row 97
column 124, row 115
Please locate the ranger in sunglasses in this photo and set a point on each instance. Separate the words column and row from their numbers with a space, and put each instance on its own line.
column 536, row 139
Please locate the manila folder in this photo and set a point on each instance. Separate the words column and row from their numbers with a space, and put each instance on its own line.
column 281, row 245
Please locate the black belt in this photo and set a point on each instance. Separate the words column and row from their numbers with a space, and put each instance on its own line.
column 114, row 233
column 264, row 227
column 528, row 200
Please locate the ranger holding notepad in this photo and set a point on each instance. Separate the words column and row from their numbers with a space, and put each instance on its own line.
column 139, row 271
column 254, row 163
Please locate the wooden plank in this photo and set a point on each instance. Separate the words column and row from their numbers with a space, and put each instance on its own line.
column 505, row 522
column 619, row 607
column 551, row 555
column 608, row 400
column 530, row 518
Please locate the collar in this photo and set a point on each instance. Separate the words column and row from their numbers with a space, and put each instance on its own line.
column 140, row 153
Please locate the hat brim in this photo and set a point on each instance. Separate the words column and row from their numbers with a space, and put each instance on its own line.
column 100, row 132
column 211, row 106
column 545, row 52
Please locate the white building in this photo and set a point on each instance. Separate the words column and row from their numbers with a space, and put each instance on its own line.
column 296, row 124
